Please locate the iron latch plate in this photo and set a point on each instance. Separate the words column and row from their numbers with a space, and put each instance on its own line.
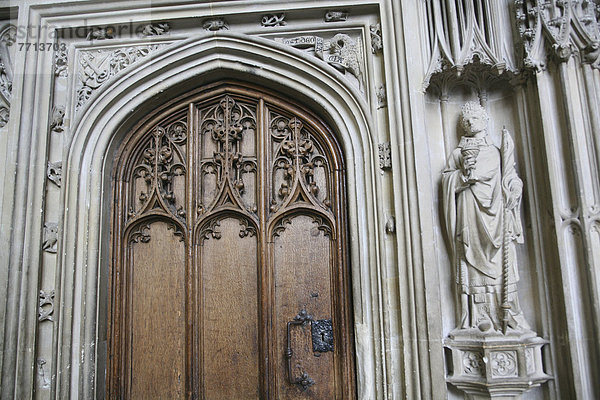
column 322, row 335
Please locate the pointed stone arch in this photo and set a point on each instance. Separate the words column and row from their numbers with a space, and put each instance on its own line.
column 98, row 129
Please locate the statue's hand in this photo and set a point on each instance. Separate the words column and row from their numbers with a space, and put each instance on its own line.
column 469, row 163
column 512, row 200
column 468, row 180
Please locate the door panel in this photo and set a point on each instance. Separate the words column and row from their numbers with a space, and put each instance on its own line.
column 157, row 263
column 229, row 309
column 302, row 265
column 241, row 289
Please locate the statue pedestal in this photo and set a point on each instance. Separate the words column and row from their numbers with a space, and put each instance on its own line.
column 494, row 366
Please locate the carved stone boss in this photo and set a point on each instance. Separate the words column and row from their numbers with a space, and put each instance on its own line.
column 482, row 195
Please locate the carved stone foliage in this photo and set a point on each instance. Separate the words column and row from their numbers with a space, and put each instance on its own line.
column 54, row 172
column 4, row 116
column 160, row 171
column 50, row 237
column 468, row 32
column 376, row 41
column 385, row 155
column 61, row 61
column 558, row 28
column 7, row 54
column 155, row 29
column 96, row 67
column 215, row 24
column 272, row 20
column 336, row 16
column 100, row 33
column 504, row 363
column 341, row 51
column 46, row 306
column 473, row 363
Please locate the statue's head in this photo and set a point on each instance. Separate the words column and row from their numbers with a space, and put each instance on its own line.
column 473, row 118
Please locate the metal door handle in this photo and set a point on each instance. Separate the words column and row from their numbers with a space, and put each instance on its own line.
column 304, row 381
column 322, row 342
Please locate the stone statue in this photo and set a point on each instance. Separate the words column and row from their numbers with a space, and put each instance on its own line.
column 482, row 195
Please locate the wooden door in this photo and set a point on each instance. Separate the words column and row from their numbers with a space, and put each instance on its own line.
column 229, row 271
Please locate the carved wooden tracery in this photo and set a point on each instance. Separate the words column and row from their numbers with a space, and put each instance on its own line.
column 228, row 219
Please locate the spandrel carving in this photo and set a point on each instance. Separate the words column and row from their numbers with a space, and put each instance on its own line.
column 482, row 196
column 341, row 51
column 96, row 66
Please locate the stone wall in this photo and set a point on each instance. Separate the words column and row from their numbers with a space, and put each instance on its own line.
column 390, row 76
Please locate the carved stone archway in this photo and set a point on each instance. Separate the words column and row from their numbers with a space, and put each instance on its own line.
column 99, row 129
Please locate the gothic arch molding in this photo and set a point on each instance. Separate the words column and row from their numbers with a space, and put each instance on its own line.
column 100, row 126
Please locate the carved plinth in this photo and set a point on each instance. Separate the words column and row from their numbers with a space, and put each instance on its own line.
column 494, row 366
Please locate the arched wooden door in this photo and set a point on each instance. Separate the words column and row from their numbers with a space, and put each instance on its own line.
column 229, row 271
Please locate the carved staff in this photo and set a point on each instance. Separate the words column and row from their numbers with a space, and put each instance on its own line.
column 505, row 150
